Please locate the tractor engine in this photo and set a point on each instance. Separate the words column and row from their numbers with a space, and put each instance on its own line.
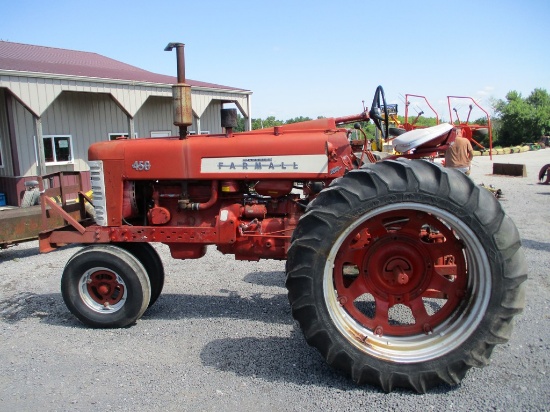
column 263, row 213
column 244, row 192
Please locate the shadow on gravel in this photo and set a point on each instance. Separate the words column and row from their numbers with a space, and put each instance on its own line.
column 51, row 309
column 13, row 252
column 274, row 359
column 535, row 245
column 272, row 278
column 289, row 360
column 268, row 309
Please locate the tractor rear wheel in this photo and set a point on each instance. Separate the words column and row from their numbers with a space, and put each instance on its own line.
column 105, row 286
column 405, row 274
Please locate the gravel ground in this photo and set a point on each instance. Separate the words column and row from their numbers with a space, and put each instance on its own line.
column 221, row 336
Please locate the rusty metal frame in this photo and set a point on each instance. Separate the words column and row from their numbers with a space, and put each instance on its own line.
column 47, row 196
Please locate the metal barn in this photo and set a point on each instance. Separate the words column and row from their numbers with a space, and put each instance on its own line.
column 54, row 103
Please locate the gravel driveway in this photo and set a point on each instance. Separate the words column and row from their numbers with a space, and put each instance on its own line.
column 221, row 336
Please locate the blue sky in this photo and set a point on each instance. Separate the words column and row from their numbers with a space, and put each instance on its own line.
column 312, row 58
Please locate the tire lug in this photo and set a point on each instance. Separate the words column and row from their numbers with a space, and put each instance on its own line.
column 379, row 331
column 342, row 300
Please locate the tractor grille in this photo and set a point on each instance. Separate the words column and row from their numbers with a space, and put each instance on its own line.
column 98, row 189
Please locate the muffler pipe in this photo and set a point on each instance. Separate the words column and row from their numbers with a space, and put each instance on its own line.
column 181, row 93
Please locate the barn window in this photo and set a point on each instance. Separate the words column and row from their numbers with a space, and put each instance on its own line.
column 58, row 149
column 115, row 136
column 161, row 133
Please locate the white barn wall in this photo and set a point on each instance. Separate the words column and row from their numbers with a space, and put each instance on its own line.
column 155, row 115
column 211, row 118
column 89, row 110
column 89, row 118
column 86, row 117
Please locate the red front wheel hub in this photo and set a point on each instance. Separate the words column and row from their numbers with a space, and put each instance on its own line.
column 102, row 290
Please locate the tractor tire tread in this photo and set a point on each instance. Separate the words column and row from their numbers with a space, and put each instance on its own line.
column 362, row 190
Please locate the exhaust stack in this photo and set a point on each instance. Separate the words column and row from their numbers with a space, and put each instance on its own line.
column 181, row 93
column 229, row 120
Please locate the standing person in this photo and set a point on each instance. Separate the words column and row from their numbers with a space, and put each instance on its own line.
column 459, row 154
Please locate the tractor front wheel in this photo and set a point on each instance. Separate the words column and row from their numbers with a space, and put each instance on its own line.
column 105, row 286
column 405, row 274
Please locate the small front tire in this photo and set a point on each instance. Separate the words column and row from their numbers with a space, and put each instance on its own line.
column 105, row 286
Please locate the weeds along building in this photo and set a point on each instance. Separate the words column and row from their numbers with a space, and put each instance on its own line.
column 65, row 100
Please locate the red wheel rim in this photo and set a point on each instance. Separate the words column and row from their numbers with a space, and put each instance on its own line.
column 401, row 273
column 104, row 288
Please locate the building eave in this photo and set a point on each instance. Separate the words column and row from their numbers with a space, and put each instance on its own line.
column 52, row 76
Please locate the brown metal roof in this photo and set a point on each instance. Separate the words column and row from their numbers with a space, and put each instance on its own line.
column 30, row 58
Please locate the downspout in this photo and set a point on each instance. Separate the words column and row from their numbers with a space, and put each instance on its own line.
column 131, row 129
column 41, row 158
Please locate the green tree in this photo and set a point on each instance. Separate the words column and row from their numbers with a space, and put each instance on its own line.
column 421, row 121
column 540, row 100
column 265, row 123
column 298, row 120
column 240, row 124
column 523, row 120
column 368, row 127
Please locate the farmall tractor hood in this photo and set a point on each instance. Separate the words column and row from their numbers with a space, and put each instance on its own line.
column 293, row 149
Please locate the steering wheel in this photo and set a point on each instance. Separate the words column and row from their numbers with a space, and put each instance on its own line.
column 375, row 112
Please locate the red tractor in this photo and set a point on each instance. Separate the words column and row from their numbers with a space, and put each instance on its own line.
column 401, row 273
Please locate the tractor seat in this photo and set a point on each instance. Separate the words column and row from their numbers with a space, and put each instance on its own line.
column 427, row 137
